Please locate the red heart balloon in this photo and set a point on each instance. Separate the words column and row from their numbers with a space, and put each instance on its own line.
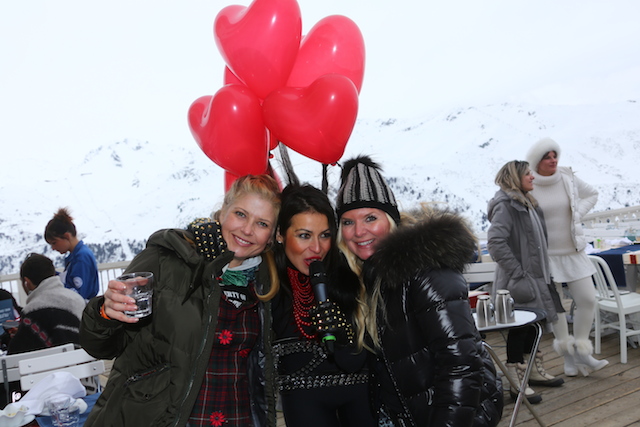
column 229, row 179
column 231, row 79
column 260, row 42
column 229, row 129
column 334, row 45
column 315, row 121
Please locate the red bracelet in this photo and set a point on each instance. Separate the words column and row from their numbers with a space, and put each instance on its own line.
column 103, row 314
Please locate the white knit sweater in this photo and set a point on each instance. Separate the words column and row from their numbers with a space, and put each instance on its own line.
column 563, row 213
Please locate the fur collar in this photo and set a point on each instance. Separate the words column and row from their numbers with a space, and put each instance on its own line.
column 438, row 240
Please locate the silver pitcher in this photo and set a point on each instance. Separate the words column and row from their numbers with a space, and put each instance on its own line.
column 484, row 312
column 504, row 307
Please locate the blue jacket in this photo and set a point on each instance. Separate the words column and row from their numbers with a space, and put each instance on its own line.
column 81, row 271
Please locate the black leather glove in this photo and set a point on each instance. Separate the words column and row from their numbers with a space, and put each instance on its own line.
column 327, row 318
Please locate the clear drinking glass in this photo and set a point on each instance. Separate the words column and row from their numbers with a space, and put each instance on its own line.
column 139, row 287
column 64, row 411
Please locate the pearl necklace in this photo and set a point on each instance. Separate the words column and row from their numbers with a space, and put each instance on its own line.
column 303, row 301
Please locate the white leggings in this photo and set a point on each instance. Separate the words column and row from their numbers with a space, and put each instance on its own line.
column 584, row 295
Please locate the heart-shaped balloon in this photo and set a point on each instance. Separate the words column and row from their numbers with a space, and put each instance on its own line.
column 273, row 141
column 334, row 45
column 260, row 42
column 231, row 79
column 229, row 179
column 316, row 121
column 229, row 129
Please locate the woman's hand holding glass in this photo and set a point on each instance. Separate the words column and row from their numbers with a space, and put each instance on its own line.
column 116, row 302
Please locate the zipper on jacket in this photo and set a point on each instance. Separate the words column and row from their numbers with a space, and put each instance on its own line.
column 145, row 374
column 200, row 351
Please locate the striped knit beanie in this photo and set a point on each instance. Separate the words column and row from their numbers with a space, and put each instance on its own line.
column 362, row 186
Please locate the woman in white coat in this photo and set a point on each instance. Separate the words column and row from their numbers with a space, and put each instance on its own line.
column 565, row 199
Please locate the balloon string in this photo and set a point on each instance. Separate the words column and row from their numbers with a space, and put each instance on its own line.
column 292, row 178
column 325, row 181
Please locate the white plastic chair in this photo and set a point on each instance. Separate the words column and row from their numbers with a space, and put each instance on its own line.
column 479, row 272
column 9, row 364
column 611, row 300
column 77, row 362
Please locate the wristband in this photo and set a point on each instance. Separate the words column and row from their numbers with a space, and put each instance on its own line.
column 103, row 314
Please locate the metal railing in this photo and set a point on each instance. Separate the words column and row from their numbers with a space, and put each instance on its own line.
column 615, row 218
column 106, row 271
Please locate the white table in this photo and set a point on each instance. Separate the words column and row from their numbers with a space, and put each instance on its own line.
column 524, row 317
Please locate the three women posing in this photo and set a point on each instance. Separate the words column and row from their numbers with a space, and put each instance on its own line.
column 205, row 355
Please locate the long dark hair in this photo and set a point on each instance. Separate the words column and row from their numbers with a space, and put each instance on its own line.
column 343, row 283
column 297, row 199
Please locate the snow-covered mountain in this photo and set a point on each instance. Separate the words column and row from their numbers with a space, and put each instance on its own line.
column 121, row 192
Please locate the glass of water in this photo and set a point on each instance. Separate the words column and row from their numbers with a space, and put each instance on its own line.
column 64, row 411
column 139, row 287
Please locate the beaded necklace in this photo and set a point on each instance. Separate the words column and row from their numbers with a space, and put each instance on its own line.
column 303, row 301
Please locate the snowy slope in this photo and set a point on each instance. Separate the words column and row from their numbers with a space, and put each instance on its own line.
column 122, row 191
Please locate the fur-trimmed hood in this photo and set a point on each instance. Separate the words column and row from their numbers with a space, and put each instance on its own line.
column 438, row 240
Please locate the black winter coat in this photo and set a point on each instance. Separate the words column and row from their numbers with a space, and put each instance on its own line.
column 433, row 369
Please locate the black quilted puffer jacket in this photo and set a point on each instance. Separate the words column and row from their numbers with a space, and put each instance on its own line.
column 432, row 368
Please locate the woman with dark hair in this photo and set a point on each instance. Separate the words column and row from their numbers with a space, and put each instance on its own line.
column 432, row 368
column 320, row 385
column 517, row 241
column 80, row 267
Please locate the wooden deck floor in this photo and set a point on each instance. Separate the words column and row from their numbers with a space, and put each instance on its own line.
column 609, row 397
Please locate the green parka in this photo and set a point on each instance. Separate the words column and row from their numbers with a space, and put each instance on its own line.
column 160, row 361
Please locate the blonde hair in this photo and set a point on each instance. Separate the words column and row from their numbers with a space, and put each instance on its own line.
column 366, row 311
column 374, row 305
column 265, row 187
column 509, row 179
column 273, row 276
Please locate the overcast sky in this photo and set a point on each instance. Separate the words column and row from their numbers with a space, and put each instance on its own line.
column 92, row 72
